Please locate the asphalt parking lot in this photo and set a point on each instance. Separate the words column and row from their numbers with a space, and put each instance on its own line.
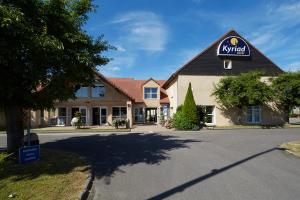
column 211, row 164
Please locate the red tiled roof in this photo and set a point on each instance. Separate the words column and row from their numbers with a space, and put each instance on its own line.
column 133, row 88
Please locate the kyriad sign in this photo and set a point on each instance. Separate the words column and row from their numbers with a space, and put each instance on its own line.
column 233, row 46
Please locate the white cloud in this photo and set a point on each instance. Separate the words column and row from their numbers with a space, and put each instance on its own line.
column 290, row 7
column 295, row 66
column 142, row 30
column 117, row 64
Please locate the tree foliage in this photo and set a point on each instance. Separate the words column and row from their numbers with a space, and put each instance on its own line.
column 45, row 52
column 243, row 90
column 186, row 117
column 45, row 55
column 189, row 107
column 287, row 89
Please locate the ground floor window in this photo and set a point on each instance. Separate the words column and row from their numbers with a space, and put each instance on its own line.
column 207, row 114
column 139, row 114
column 99, row 115
column 62, row 116
column 119, row 113
column 83, row 111
column 253, row 114
column 151, row 115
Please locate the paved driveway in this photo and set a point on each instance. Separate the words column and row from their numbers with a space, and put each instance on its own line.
column 210, row 164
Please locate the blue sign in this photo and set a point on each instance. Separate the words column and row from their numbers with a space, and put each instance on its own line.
column 233, row 46
column 29, row 154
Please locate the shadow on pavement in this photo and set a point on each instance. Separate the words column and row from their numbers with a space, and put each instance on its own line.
column 108, row 153
column 214, row 172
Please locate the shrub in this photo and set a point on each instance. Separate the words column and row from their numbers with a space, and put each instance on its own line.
column 181, row 122
column 186, row 117
column 119, row 122
column 179, row 108
column 79, row 123
column 189, row 107
column 162, row 118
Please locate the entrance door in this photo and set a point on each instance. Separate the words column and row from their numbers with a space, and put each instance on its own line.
column 96, row 116
column 99, row 115
column 103, row 116
column 151, row 115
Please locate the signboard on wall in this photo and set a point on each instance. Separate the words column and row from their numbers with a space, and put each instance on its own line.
column 233, row 46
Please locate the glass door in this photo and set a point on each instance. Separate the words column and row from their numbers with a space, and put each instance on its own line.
column 96, row 116
column 83, row 112
column 103, row 116
column 138, row 115
column 151, row 115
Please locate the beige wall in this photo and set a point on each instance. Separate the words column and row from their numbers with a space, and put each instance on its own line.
column 173, row 96
column 112, row 98
column 202, row 87
column 152, row 102
column 144, row 106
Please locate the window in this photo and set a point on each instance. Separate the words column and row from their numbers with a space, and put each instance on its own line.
column 83, row 111
column 138, row 115
column 253, row 114
column 207, row 114
column 82, row 92
column 62, row 115
column 98, row 90
column 150, row 93
column 119, row 113
column 227, row 64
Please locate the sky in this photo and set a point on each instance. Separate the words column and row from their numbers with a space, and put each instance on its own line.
column 156, row 37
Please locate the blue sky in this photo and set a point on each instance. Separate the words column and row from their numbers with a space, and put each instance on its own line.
column 156, row 37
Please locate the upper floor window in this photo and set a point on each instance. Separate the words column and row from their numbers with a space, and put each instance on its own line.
column 150, row 93
column 227, row 64
column 98, row 90
column 82, row 92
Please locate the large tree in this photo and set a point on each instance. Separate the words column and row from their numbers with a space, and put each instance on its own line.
column 287, row 90
column 243, row 90
column 45, row 55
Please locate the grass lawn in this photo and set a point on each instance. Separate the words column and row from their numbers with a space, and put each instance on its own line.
column 58, row 175
column 292, row 147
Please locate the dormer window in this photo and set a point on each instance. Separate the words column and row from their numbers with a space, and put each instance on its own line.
column 98, row 90
column 82, row 92
column 150, row 93
column 227, row 64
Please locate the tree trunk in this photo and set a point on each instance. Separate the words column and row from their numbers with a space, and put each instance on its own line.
column 14, row 127
column 239, row 115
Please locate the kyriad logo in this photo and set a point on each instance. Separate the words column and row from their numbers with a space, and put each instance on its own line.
column 233, row 46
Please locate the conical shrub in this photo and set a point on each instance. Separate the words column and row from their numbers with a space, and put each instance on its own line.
column 189, row 108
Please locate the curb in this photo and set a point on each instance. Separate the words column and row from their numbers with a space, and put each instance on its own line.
column 88, row 186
